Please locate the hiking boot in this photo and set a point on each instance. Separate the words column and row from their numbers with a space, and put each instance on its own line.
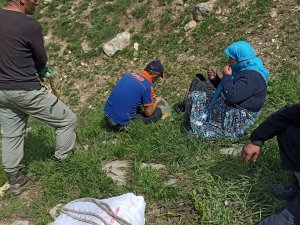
column 286, row 192
column 179, row 107
column 17, row 181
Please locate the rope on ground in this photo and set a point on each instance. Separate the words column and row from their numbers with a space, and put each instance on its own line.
column 102, row 205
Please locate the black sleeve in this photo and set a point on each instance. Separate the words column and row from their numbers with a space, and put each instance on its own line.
column 239, row 89
column 277, row 123
column 216, row 81
column 38, row 49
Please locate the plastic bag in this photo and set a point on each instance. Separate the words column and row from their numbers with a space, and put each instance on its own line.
column 165, row 108
column 128, row 207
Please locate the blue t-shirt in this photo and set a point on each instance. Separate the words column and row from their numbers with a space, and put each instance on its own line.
column 130, row 92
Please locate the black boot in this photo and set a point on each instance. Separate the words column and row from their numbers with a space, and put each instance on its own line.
column 17, row 181
column 179, row 107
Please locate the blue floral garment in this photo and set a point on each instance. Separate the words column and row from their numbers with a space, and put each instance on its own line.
column 223, row 120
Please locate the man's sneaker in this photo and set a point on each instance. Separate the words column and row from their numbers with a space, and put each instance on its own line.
column 286, row 192
column 17, row 181
column 179, row 107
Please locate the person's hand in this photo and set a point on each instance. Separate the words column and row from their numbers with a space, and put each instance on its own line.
column 250, row 151
column 227, row 70
column 211, row 73
column 158, row 99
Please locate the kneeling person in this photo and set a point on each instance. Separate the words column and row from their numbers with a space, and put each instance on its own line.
column 132, row 91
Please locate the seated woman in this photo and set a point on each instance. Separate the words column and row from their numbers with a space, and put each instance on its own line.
column 226, row 107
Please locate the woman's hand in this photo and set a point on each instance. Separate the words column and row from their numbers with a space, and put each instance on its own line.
column 211, row 73
column 227, row 71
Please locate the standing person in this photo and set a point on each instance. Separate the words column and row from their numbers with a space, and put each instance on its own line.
column 132, row 91
column 226, row 107
column 285, row 124
column 22, row 55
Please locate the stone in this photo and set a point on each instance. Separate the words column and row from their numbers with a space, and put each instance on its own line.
column 136, row 46
column 85, row 46
column 273, row 12
column 118, row 43
column 233, row 150
column 48, row 39
column 153, row 166
column 51, row 223
column 117, row 170
column 20, row 222
column 202, row 9
column 47, row 2
column 55, row 211
column 171, row 182
column 129, row 15
column 179, row 2
column 4, row 188
column 190, row 25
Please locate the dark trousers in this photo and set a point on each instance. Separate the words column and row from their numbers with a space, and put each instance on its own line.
column 154, row 118
column 288, row 215
column 140, row 115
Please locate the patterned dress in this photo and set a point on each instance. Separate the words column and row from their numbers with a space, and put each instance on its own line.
column 222, row 120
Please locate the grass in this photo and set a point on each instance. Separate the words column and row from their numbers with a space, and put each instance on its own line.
column 206, row 179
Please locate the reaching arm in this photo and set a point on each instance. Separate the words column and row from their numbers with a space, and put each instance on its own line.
column 272, row 126
column 277, row 123
column 149, row 110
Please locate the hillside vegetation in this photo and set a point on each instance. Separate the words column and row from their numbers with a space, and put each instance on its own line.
column 75, row 32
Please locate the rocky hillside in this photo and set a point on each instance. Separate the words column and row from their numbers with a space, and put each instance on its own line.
column 186, row 35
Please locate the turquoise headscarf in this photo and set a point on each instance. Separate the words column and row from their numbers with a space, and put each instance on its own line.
column 246, row 59
column 243, row 52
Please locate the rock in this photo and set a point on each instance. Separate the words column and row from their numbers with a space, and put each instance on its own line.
column 118, row 43
column 202, row 9
column 273, row 12
column 20, row 222
column 48, row 39
column 171, row 182
column 190, row 25
column 51, row 223
column 136, row 46
column 233, row 150
column 153, row 166
column 179, row 2
column 4, row 188
column 129, row 15
column 117, row 170
column 47, row 2
column 55, row 211
column 85, row 46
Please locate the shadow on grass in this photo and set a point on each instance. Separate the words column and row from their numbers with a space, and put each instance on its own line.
column 253, row 183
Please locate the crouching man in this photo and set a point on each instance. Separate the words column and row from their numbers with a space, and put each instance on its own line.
column 132, row 91
column 285, row 124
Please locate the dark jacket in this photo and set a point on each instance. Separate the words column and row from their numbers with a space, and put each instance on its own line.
column 285, row 124
column 248, row 90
